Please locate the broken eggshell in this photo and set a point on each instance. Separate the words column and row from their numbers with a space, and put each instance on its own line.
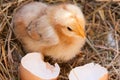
column 33, row 67
column 89, row 71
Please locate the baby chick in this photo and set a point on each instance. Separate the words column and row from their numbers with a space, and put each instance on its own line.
column 54, row 30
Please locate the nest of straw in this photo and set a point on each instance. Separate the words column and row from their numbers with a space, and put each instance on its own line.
column 102, row 44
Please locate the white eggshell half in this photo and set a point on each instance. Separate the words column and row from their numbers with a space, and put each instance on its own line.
column 89, row 71
column 33, row 65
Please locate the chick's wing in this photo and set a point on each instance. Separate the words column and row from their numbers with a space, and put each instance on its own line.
column 41, row 30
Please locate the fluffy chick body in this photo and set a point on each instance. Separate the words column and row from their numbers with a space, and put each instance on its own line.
column 44, row 28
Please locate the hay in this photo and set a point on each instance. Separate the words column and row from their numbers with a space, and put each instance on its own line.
column 102, row 45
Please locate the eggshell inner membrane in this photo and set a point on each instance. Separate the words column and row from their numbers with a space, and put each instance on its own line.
column 89, row 71
column 34, row 63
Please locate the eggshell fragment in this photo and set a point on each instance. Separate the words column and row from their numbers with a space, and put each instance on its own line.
column 89, row 71
column 33, row 67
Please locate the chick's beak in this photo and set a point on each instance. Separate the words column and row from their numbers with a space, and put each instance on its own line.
column 80, row 31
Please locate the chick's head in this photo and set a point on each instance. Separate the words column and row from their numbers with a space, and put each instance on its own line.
column 69, row 19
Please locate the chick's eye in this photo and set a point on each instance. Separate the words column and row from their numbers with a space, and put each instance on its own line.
column 69, row 28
